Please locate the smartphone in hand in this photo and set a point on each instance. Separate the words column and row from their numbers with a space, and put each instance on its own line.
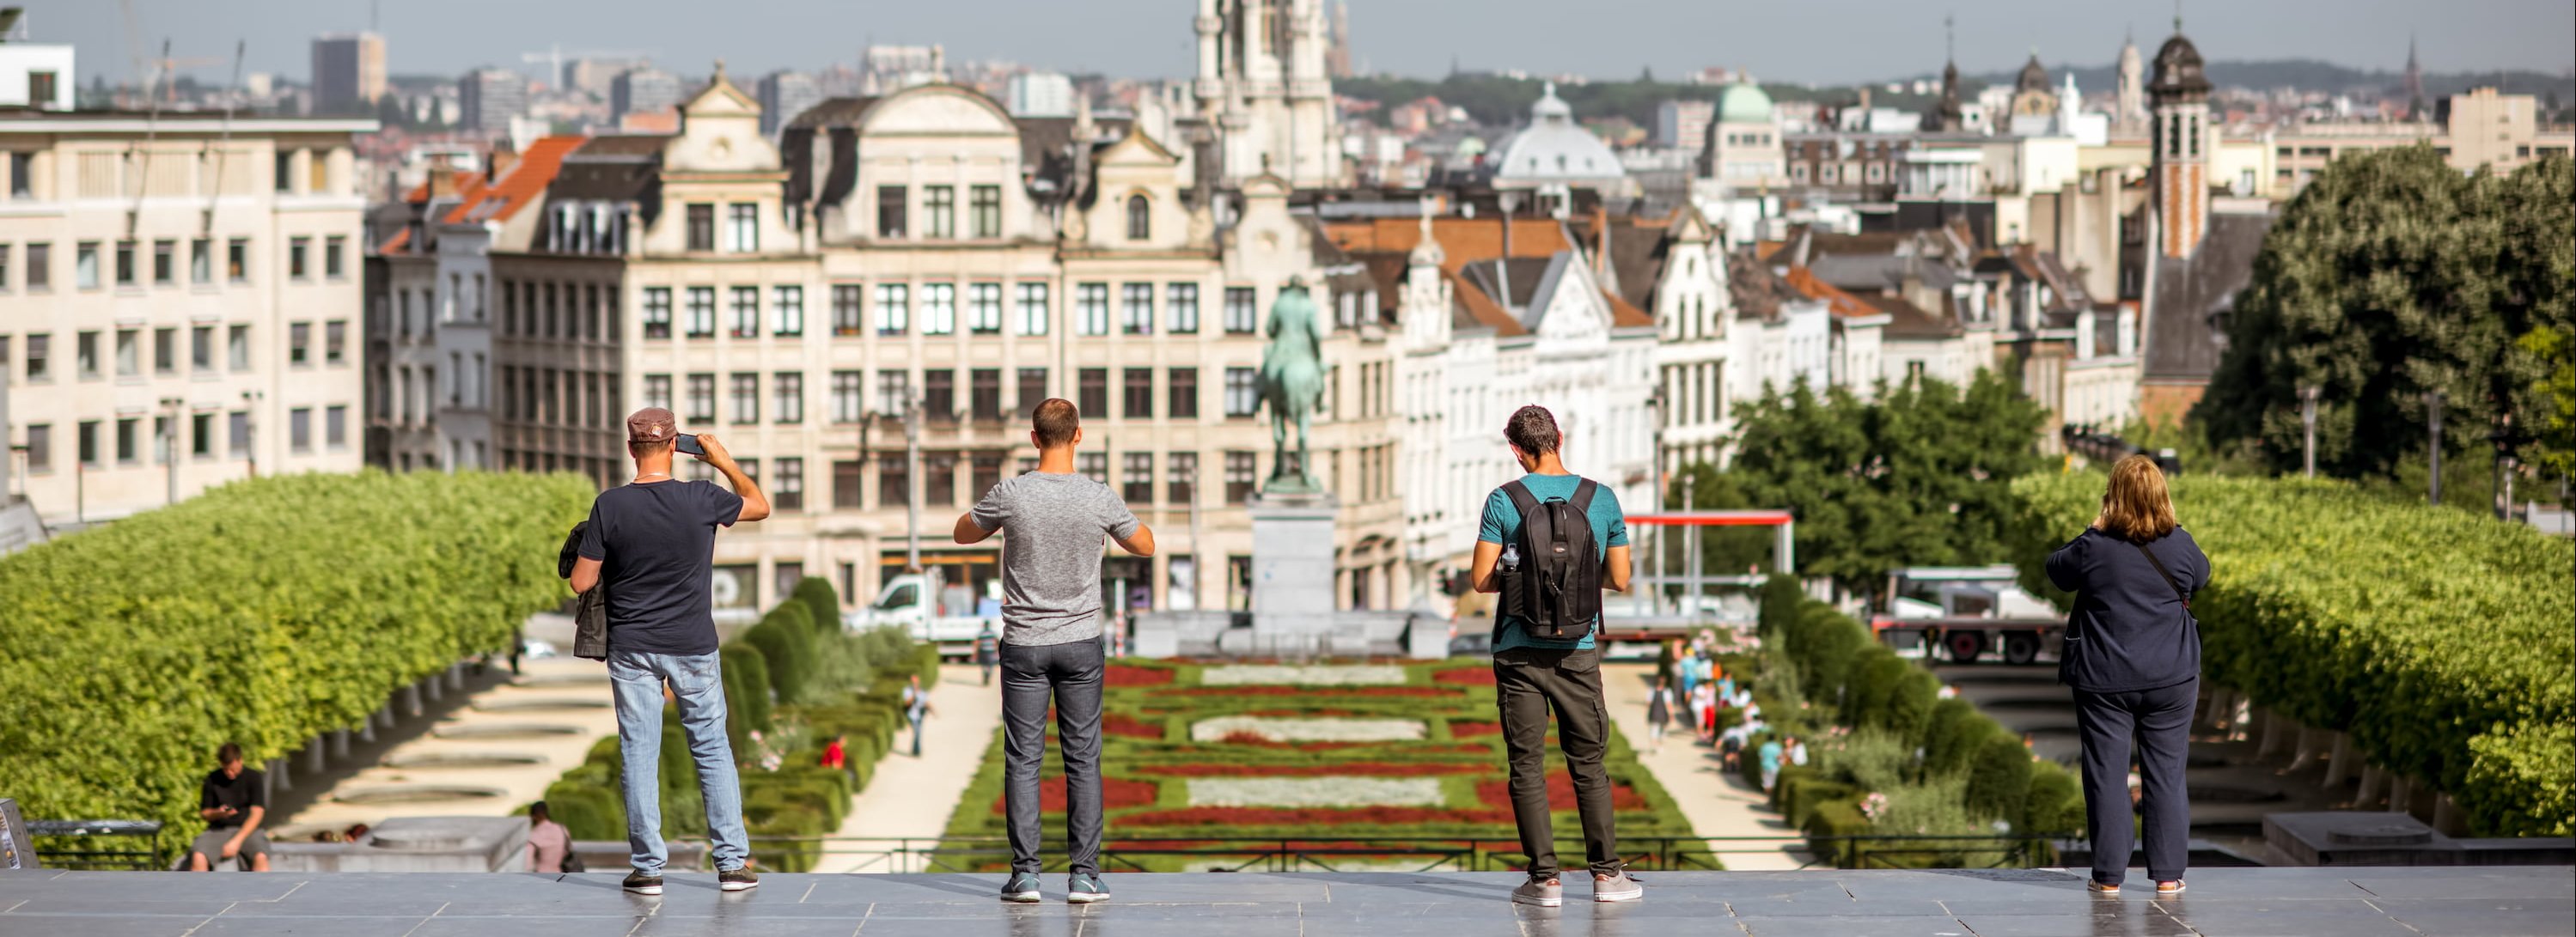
column 688, row 444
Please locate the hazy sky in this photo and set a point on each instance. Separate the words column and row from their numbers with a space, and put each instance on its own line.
column 1816, row 40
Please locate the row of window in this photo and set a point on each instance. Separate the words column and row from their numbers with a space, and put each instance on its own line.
column 938, row 212
column 93, row 261
column 577, row 399
column 129, row 349
column 92, row 438
column 933, row 309
column 696, row 395
column 1696, row 393
column 577, row 311
column 1135, row 479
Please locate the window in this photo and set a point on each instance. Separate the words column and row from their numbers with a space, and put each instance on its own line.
column 165, row 351
column 165, row 262
column 1139, row 396
column 1033, row 308
column 299, row 429
column 1033, row 390
column 40, row 448
column 1183, row 298
column 987, row 467
column 1091, row 309
column 1184, row 394
column 85, row 356
column 984, row 308
column 1242, row 317
column 746, row 311
column 335, row 250
column 939, row 479
column 845, row 396
column 201, row 261
column 1140, row 218
column 85, row 265
column 238, row 432
column 702, row 398
column 846, row 493
column 746, row 398
column 88, row 443
column 702, row 311
column 1136, row 308
column 787, row 304
column 1240, row 473
column 125, row 263
column 284, row 172
column 298, row 250
column 335, row 427
column 201, row 348
column 237, row 260
column 742, row 228
column 657, row 310
column 39, row 346
column 201, row 435
column 22, row 172
column 894, row 308
column 894, row 392
column 237, row 349
column 939, row 208
column 1092, row 465
column 127, row 446
column 984, row 394
column 846, row 310
column 299, row 341
column 787, row 390
column 1183, row 470
column 939, row 309
column 939, row 395
column 1136, row 477
column 1242, row 392
column 129, row 359
column 657, row 390
column 335, row 342
column 702, row 227
column 890, row 206
column 987, row 209
column 894, row 480
column 40, row 266
column 787, row 488
column 1092, row 400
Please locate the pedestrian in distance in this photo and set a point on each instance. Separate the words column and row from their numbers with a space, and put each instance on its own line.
column 916, row 707
column 651, row 542
column 1549, row 543
column 1052, row 521
column 2132, row 656
column 232, row 800
column 1767, row 758
column 988, row 650
column 1659, row 714
column 549, row 843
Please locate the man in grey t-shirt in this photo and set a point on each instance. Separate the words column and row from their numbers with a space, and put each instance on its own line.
column 1052, row 521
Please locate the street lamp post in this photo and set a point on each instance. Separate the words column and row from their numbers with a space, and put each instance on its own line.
column 2433, row 417
column 170, row 445
column 912, row 479
column 2308, row 423
column 250, row 427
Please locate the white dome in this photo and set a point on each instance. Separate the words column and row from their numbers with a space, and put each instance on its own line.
column 1555, row 148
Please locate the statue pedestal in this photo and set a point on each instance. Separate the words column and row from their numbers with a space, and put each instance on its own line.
column 1292, row 572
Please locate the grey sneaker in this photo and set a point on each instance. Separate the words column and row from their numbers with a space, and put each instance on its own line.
column 1085, row 888
column 1620, row 887
column 1022, row 888
column 743, row 879
column 1543, row 892
column 643, row 884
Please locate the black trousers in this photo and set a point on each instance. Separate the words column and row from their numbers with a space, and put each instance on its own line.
column 1070, row 675
column 1528, row 683
column 2155, row 725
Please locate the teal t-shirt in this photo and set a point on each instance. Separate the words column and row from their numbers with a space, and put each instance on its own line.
column 1502, row 525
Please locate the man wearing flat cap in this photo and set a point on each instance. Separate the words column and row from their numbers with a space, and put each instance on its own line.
column 651, row 542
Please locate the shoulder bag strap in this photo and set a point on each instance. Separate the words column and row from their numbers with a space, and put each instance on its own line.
column 2169, row 579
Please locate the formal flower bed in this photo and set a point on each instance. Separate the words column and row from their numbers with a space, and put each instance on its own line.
column 1336, row 756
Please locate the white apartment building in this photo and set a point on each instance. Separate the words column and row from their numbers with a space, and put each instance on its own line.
column 183, row 303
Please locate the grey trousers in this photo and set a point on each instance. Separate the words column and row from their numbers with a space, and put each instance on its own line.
column 1069, row 674
column 2156, row 724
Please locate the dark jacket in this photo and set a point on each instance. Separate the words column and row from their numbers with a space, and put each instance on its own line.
column 2129, row 630
column 589, row 609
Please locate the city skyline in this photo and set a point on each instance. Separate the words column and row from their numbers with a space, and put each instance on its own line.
column 1404, row 37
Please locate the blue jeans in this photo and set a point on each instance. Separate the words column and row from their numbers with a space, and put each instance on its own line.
column 697, row 681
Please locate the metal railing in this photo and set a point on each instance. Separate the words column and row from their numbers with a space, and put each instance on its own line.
column 100, row 844
column 1421, row 854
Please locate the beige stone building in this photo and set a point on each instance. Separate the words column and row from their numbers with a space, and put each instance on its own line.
column 182, row 299
column 2479, row 128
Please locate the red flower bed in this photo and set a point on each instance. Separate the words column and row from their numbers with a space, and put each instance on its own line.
column 1124, row 725
column 1115, row 793
column 1360, row 768
column 1465, row 676
column 1560, row 794
column 1313, row 816
column 1310, row 691
column 1256, row 741
column 1469, row 730
column 1120, row 675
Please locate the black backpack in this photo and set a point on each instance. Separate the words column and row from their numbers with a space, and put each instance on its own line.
column 1555, row 589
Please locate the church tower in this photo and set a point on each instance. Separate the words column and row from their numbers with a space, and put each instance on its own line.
column 1264, row 84
column 2131, row 120
column 2415, row 107
column 1948, row 116
column 2180, row 166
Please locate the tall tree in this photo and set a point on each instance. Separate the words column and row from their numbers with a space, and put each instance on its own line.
column 2389, row 277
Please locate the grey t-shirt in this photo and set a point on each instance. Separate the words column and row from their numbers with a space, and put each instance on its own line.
column 1051, row 527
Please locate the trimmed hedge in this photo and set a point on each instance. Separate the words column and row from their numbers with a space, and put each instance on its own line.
column 262, row 612
column 2438, row 639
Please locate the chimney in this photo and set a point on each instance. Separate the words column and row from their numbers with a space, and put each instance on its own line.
column 498, row 163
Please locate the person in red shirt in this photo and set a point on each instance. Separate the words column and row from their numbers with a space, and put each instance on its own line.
column 836, row 755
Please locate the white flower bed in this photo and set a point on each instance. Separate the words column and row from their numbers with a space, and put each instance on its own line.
column 1311, row 730
column 1315, row 792
column 1319, row 675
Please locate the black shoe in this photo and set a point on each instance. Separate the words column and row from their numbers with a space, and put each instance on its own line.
column 1022, row 888
column 643, row 884
column 742, row 879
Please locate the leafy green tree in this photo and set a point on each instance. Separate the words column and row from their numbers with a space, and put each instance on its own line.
column 2389, row 277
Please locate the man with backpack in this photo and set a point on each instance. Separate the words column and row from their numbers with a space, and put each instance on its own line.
column 1550, row 542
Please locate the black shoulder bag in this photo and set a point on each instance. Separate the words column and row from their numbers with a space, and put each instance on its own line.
column 2169, row 579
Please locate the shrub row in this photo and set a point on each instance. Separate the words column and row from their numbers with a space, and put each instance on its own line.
column 2436, row 638
column 264, row 612
column 1820, row 667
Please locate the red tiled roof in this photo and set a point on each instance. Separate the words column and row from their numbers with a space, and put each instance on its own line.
column 394, row 245
column 525, row 183
column 1481, row 306
column 1624, row 314
column 1462, row 240
column 1840, row 302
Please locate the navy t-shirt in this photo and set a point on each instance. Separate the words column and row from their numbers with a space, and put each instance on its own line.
column 2129, row 630
column 656, row 543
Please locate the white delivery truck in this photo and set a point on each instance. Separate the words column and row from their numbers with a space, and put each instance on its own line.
column 929, row 609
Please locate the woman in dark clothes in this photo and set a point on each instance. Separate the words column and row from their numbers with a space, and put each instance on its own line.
column 2132, row 656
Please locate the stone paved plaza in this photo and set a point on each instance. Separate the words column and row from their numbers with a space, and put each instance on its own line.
column 2347, row 902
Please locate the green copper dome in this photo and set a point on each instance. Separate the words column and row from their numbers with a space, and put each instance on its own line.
column 1744, row 104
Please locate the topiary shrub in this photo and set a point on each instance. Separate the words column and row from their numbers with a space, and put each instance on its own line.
column 1998, row 778
column 1909, row 705
column 1951, row 735
column 2055, row 805
column 822, row 604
